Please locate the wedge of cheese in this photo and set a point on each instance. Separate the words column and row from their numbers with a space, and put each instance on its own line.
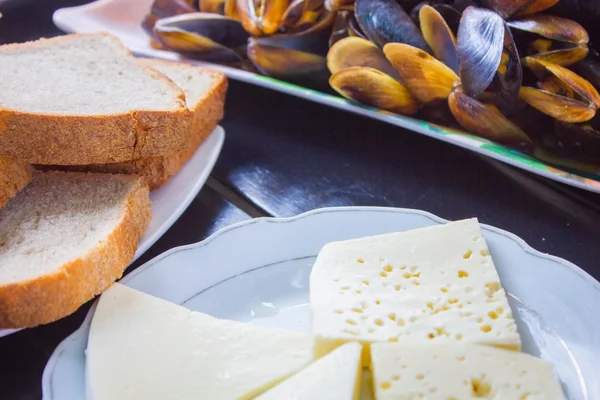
column 142, row 347
column 336, row 376
column 460, row 371
column 437, row 283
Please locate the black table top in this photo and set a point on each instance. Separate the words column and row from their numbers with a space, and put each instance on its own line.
column 283, row 156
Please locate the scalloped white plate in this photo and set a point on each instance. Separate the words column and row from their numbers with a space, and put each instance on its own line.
column 174, row 197
column 257, row 271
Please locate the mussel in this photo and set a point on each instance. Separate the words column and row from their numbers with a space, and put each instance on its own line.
column 433, row 81
column 205, row 36
column 497, row 68
column 569, row 145
column 561, row 41
column 562, row 94
column 385, row 21
column 164, row 9
column 360, row 72
column 295, row 57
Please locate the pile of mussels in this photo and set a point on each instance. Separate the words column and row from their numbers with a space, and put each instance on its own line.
column 523, row 73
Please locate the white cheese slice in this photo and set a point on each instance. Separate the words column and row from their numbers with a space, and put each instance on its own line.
column 143, row 347
column 460, row 371
column 336, row 376
column 437, row 283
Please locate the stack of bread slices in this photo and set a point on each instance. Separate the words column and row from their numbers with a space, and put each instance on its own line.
column 87, row 131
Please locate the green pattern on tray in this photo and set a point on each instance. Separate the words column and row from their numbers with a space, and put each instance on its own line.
column 587, row 179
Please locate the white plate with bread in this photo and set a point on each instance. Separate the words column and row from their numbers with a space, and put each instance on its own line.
column 340, row 303
column 100, row 153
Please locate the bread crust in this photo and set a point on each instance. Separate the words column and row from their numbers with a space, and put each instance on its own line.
column 45, row 138
column 159, row 169
column 14, row 176
column 53, row 296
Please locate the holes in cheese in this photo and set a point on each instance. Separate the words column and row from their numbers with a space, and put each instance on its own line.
column 459, row 371
column 428, row 278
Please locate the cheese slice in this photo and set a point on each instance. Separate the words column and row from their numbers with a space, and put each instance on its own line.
column 336, row 376
column 142, row 347
column 437, row 283
column 460, row 371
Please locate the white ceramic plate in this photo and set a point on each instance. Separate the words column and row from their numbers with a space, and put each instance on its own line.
column 172, row 199
column 258, row 271
column 123, row 17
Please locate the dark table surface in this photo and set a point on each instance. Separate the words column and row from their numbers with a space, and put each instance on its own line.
column 283, row 156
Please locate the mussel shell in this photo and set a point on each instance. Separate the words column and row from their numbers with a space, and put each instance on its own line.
column 384, row 21
column 481, row 37
column 509, row 75
column 227, row 8
column 209, row 37
column 339, row 5
column 164, row 9
column 564, row 57
column 552, row 27
column 512, row 8
column 354, row 29
column 231, row 9
column 372, row 87
column 289, row 64
column 580, row 142
column 314, row 42
column 562, row 108
column 293, row 13
column 439, row 36
column 589, row 70
column 428, row 79
column 450, row 14
column 339, row 30
column 212, row 6
column 486, row 121
column 302, row 13
column 169, row 8
column 582, row 87
column 570, row 145
column 554, row 85
column 264, row 18
column 358, row 52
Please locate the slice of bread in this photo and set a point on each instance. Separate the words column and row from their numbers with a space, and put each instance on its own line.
column 65, row 238
column 83, row 99
column 205, row 91
column 14, row 176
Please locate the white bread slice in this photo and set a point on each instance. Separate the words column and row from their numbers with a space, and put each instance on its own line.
column 14, row 176
column 143, row 347
column 205, row 92
column 81, row 99
column 65, row 238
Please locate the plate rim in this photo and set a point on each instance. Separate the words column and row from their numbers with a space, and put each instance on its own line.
column 55, row 357
column 218, row 136
column 63, row 18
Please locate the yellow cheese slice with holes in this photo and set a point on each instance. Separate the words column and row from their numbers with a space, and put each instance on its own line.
column 336, row 376
column 460, row 371
column 437, row 283
column 143, row 347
